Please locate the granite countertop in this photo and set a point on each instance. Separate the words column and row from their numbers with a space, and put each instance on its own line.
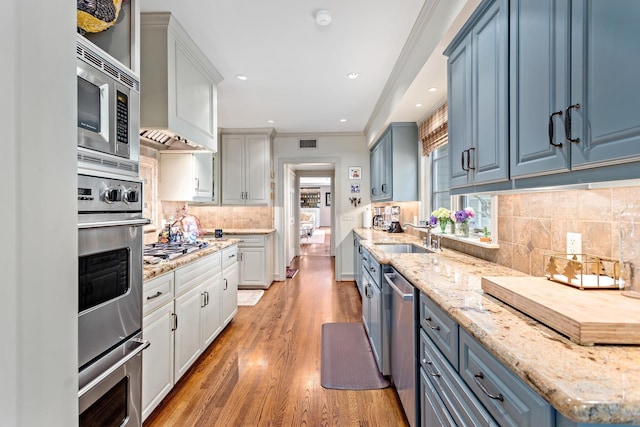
column 149, row 271
column 591, row 384
column 241, row 231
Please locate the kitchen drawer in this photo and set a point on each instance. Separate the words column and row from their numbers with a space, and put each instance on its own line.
column 229, row 256
column 156, row 292
column 463, row 406
column 433, row 412
column 196, row 272
column 252, row 240
column 441, row 328
column 366, row 257
column 374, row 270
column 506, row 397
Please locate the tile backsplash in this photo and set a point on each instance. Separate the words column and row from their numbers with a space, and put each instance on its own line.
column 210, row 216
column 534, row 224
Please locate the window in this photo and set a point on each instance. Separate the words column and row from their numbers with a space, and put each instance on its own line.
column 440, row 178
column 484, row 205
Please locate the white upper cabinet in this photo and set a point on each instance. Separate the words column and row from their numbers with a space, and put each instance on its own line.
column 178, row 96
column 186, row 176
column 246, row 169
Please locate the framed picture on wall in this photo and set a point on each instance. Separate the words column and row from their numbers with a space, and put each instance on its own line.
column 355, row 172
column 355, row 188
column 327, row 199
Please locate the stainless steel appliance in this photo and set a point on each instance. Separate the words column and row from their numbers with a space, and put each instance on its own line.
column 108, row 112
column 110, row 299
column 402, row 341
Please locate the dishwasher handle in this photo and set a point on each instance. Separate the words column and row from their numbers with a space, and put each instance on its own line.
column 406, row 295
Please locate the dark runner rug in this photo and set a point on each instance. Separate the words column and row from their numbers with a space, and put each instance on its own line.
column 291, row 273
column 347, row 360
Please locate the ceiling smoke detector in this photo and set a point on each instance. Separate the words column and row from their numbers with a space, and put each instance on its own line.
column 323, row 17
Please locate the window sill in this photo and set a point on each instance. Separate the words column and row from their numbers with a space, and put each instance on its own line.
column 471, row 241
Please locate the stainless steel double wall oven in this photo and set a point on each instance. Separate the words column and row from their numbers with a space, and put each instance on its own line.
column 110, row 238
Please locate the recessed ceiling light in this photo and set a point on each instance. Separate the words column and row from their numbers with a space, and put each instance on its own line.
column 241, row 77
column 270, row 121
column 353, row 75
column 432, row 89
column 418, row 105
column 343, row 120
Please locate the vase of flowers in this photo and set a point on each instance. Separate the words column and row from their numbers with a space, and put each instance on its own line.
column 461, row 219
column 441, row 216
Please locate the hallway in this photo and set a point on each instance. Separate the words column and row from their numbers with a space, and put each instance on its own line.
column 313, row 246
column 264, row 369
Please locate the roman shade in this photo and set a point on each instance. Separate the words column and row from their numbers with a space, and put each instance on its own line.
column 433, row 132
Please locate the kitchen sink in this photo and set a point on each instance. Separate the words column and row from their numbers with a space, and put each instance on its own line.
column 402, row 248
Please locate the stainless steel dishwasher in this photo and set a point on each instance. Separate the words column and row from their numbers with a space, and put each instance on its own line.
column 403, row 341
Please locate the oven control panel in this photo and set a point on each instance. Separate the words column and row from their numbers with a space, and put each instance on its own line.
column 100, row 194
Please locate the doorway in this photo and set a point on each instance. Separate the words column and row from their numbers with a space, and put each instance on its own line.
column 318, row 209
column 315, row 215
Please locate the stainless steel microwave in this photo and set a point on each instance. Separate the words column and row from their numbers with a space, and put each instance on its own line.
column 108, row 104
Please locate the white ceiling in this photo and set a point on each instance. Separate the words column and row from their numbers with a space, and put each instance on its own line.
column 297, row 70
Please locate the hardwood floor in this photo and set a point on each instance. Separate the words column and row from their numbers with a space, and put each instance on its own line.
column 319, row 249
column 264, row 368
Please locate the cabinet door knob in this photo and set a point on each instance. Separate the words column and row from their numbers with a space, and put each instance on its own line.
column 567, row 123
column 462, row 160
column 551, row 130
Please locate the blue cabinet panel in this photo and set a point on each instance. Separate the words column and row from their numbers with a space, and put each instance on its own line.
column 459, row 95
column 539, row 85
column 490, row 101
column 477, row 73
column 605, row 62
column 394, row 164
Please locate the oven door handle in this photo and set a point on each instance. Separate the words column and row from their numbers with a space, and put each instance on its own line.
column 135, row 222
column 142, row 345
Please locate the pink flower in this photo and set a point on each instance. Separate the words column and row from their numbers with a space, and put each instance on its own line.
column 470, row 212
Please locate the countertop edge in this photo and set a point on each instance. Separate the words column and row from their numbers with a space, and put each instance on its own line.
column 151, row 271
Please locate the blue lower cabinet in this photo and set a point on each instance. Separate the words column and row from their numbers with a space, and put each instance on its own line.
column 432, row 409
column 464, row 408
column 508, row 399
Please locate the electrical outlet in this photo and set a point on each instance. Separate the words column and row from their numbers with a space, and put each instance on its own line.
column 574, row 245
column 347, row 217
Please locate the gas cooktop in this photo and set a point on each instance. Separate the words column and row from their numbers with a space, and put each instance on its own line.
column 172, row 250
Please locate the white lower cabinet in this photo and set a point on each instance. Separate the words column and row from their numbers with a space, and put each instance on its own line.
column 184, row 311
column 157, row 359
column 255, row 253
column 229, row 303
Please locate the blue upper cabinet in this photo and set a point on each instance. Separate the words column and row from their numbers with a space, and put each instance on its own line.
column 478, row 98
column 605, row 82
column 575, row 92
column 394, row 164
column 539, row 86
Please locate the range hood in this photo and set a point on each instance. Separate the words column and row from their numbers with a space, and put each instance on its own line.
column 169, row 140
column 178, row 88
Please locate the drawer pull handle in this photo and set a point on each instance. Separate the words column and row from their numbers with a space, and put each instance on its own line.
column 426, row 368
column 232, row 255
column 431, row 325
column 478, row 379
column 156, row 295
column 567, row 123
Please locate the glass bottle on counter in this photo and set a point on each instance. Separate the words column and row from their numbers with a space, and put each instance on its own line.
column 630, row 250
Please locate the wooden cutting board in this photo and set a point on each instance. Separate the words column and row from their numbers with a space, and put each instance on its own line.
column 587, row 317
